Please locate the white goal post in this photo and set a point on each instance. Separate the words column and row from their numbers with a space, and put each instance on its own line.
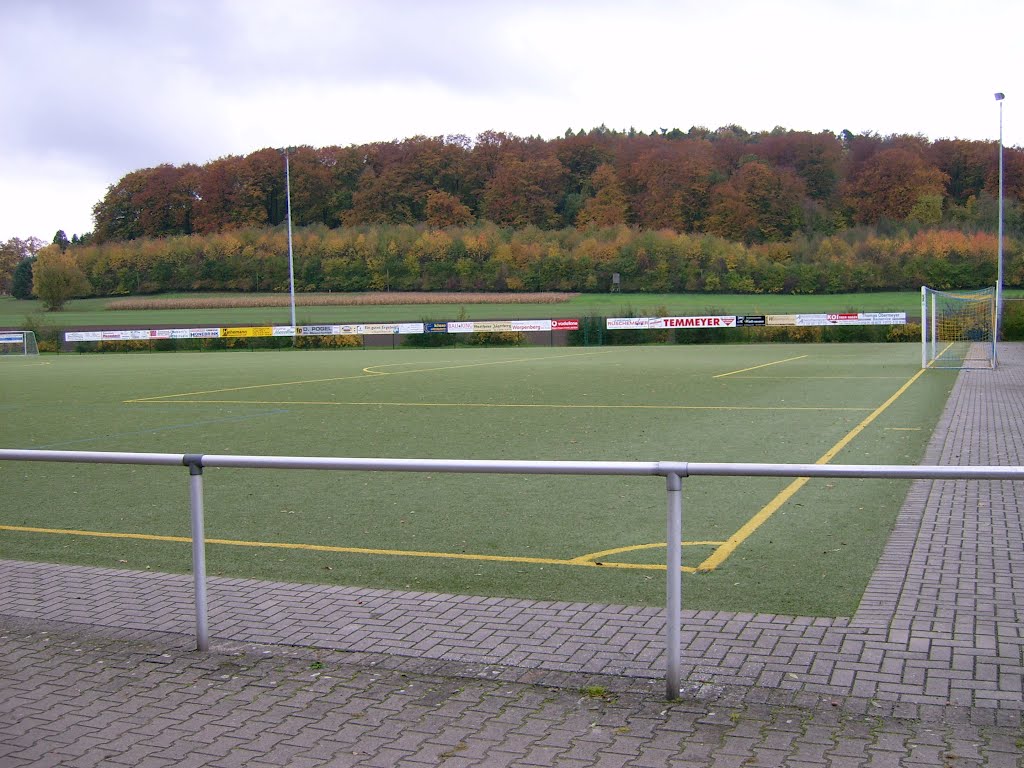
column 958, row 328
column 18, row 343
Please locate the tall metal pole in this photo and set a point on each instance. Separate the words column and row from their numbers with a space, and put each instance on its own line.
column 291, row 262
column 999, row 257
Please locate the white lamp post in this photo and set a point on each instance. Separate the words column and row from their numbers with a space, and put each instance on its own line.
column 999, row 247
column 291, row 262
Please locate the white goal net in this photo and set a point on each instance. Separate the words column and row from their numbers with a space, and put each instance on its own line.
column 958, row 328
column 18, row 343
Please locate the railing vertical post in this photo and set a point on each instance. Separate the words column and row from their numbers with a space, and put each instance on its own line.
column 673, row 584
column 195, row 471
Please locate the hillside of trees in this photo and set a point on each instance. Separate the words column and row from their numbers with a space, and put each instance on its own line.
column 722, row 210
column 745, row 187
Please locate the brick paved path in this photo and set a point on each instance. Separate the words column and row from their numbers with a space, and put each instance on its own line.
column 85, row 697
column 928, row 672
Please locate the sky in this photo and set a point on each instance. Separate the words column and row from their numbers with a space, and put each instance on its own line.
column 94, row 89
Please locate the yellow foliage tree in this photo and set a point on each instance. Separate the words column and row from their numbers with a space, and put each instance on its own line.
column 56, row 277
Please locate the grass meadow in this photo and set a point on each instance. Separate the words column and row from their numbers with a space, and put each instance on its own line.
column 510, row 535
column 95, row 312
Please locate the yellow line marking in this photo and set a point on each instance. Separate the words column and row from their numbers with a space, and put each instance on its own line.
column 360, row 376
column 638, row 547
column 723, row 552
column 508, row 405
column 815, row 378
column 755, row 367
column 939, row 356
column 346, row 550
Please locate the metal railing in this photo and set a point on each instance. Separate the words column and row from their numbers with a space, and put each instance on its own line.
column 672, row 471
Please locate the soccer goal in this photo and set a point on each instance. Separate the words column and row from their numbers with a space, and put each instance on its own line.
column 958, row 328
column 18, row 343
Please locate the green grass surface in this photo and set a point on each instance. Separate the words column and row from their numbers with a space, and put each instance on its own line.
column 812, row 557
column 93, row 312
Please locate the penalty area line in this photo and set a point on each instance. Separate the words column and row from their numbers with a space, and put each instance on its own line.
column 722, row 553
column 346, row 550
column 755, row 367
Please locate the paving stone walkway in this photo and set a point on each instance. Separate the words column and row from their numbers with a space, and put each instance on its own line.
column 97, row 666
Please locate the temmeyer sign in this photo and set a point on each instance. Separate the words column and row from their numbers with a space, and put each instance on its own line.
column 710, row 321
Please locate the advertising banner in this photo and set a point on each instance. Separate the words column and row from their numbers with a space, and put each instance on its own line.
column 378, row 329
column 853, row 318
column 433, row 327
column 531, row 325
column 621, row 323
column 713, row 321
column 244, row 332
column 746, row 320
column 318, row 330
column 565, row 325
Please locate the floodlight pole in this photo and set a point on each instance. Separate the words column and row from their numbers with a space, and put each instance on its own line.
column 291, row 261
column 999, row 247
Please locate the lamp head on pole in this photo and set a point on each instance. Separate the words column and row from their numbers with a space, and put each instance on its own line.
column 1000, row 97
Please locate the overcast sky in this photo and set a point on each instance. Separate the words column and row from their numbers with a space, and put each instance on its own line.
column 93, row 89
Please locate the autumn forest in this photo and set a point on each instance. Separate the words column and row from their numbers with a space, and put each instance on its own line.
column 703, row 210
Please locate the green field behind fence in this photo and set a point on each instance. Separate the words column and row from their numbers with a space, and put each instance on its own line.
column 93, row 312
column 528, row 536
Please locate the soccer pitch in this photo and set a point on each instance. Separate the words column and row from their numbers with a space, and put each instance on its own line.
column 750, row 544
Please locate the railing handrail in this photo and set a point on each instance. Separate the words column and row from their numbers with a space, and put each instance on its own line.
column 672, row 471
column 527, row 467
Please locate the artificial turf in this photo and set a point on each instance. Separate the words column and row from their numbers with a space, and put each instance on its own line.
column 776, row 403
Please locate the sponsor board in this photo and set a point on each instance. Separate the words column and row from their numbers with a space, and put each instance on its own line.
column 432, row 327
column 318, row 330
column 746, row 320
column 143, row 334
column 11, row 338
column 852, row 318
column 283, row 330
column 712, row 321
column 410, row 328
column 705, row 321
column 780, row 320
column 244, row 332
column 620, row 323
column 531, row 325
column 565, row 325
column 378, row 329
column 498, row 326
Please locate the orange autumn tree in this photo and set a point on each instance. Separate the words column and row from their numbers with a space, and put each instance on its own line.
column 890, row 183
